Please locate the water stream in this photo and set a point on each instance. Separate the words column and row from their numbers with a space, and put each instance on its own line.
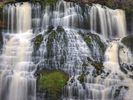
column 70, row 50
column 17, row 77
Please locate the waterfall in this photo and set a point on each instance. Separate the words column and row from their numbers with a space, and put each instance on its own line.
column 112, row 62
column 111, row 84
column 18, row 17
column 17, row 81
column 97, row 18
column 83, row 41
column 111, row 22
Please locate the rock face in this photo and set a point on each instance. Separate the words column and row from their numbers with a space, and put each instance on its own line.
column 128, row 41
column 127, row 50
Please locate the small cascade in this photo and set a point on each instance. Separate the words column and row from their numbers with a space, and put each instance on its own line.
column 17, row 81
column 111, row 84
column 108, row 22
column 97, row 18
column 18, row 17
column 111, row 57
column 67, row 52
column 65, row 14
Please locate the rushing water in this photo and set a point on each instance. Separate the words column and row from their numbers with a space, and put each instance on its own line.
column 110, row 23
column 17, row 78
column 69, row 51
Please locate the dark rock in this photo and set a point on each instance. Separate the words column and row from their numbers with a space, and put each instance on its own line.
column 37, row 41
column 128, row 41
column 60, row 29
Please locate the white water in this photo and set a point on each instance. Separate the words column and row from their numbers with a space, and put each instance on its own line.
column 18, row 17
column 111, row 57
column 110, row 23
column 112, row 63
column 17, row 81
column 102, row 87
column 100, row 19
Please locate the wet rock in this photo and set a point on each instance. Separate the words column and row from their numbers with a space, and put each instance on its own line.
column 60, row 29
column 50, row 28
column 96, row 45
column 37, row 41
column 127, row 69
column 120, row 92
column 81, row 77
column 128, row 41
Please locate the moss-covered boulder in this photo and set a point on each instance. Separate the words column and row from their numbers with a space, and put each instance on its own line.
column 52, row 82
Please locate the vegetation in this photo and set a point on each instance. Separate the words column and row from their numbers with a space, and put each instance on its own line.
column 51, row 38
column 38, row 40
column 97, row 65
column 53, row 82
column 45, row 2
column 8, row 1
column 87, row 39
column 82, row 77
column 92, row 40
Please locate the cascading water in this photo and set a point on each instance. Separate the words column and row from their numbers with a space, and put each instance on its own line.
column 74, row 38
column 17, row 81
column 100, row 19
column 111, row 22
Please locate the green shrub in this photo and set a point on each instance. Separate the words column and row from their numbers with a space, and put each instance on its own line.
column 53, row 82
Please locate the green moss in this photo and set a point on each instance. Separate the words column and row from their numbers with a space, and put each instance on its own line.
column 51, row 38
column 87, row 39
column 82, row 77
column 45, row 2
column 9, row 1
column 1, row 5
column 98, row 66
column 38, row 40
column 53, row 82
